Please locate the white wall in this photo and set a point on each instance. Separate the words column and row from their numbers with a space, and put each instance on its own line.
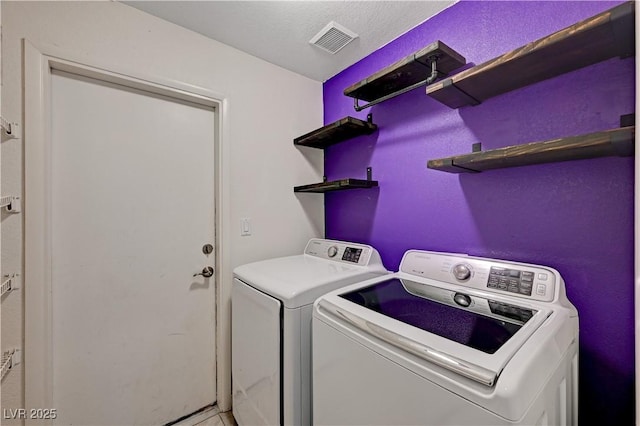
column 267, row 107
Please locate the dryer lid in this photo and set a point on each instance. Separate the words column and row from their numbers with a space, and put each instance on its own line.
column 300, row 280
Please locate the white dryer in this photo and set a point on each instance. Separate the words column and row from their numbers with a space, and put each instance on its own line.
column 271, row 327
column 448, row 340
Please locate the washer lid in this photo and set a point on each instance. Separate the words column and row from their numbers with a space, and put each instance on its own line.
column 299, row 280
column 468, row 334
column 482, row 324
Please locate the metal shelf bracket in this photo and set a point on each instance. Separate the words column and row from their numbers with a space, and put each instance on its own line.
column 12, row 203
column 433, row 61
column 8, row 128
column 10, row 283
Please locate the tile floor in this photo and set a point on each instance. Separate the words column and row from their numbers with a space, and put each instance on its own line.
column 210, row 417
column 220, row 419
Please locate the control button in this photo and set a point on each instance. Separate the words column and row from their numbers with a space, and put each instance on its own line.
column 541, row 289
column 493, row 282
column 333, row 250
column 462, row 299
column 498, row 271
column 461, row 272
column 543, row 276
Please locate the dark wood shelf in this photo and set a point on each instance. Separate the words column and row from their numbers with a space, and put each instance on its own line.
column 336, row 185
column 406, row 72
column 601, row 37
column 614, row 142
column 336, row 132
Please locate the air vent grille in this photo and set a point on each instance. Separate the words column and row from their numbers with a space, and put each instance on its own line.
column 333, row 37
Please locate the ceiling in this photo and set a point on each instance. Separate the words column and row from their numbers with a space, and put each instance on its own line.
column 279, row 31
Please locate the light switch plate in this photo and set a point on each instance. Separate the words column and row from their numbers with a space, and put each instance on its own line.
column 245, row 226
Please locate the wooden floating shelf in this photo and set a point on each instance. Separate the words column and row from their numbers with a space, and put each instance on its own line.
column 601, row 37
column 336, row 132
column 615, row 142
column 336, row 185
column 413, row 69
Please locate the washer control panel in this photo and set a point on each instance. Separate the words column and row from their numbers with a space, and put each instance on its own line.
column 512, row 280
column 497, row 276
column 338, row 251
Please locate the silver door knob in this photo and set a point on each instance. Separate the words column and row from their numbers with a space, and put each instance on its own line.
column 206, row 272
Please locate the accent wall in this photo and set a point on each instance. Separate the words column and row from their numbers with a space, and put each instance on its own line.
column 575, row 216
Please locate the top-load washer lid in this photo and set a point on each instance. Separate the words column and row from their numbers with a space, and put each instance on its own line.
column 423, row 306
column 465, row 333
column 325, row 265
column 466, row 314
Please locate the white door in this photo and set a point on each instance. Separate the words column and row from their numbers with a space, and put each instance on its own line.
column 132, row 207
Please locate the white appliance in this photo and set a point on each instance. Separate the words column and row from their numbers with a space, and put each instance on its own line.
column 450, row 339
column 271, row 327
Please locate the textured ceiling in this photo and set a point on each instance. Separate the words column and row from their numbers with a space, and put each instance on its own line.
column 279, row 31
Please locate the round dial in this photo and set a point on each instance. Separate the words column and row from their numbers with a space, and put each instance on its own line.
column 333, row 250
column 462, row 272
column 462, row 299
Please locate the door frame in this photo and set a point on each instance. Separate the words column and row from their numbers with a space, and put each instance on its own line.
column 39, row 60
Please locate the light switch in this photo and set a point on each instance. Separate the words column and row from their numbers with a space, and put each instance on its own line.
column 245, row 226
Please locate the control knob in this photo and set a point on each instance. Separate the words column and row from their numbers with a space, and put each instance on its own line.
column 333, row 250
column 462, row 272
column 462, row 299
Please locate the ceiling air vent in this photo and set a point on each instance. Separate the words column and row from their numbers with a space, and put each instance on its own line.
column 333, row 37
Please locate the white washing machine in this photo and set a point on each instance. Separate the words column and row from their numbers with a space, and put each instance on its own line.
column 448, row 340
column 271, row 305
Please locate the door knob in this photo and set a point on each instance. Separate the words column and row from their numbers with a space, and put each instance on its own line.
column 207, row 272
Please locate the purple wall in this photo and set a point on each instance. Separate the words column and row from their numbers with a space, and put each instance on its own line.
column 575, row 216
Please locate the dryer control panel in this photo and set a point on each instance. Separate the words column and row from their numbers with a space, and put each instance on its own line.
column 497, row 276
column 340, row 251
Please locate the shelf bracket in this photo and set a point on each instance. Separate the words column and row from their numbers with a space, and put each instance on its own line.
column 10, row 359
column 9, row 284
column 12, row 203
column 8, row 128
column 451, row 165
column 627, row 120
column 432, row 61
